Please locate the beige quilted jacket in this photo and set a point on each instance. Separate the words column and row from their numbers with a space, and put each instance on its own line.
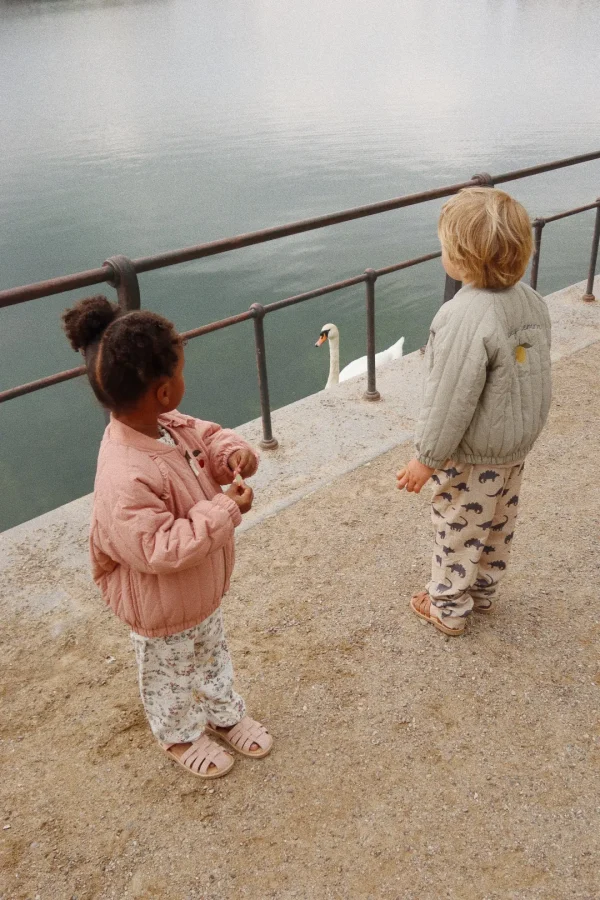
column 488, row 388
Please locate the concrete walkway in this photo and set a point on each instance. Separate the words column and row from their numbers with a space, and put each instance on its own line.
column 407, row 765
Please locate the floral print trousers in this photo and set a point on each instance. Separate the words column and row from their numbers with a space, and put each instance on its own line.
column 474, row 511
column 186, row 680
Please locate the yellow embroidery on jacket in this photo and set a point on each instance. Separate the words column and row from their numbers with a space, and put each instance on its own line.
column 521, row 353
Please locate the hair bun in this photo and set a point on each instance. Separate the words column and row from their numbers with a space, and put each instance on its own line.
column 85, row 322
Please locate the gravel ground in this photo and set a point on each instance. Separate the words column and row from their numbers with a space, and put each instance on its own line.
column 407, row 765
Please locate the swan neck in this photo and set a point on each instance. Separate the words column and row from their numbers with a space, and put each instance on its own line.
column 334, row 363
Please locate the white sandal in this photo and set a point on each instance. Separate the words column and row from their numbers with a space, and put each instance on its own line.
column 241, row 737
column 203, row 758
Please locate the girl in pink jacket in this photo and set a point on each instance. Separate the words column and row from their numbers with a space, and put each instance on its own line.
column 162, row 533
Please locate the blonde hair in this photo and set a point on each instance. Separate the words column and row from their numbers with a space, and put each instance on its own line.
column 487, row 235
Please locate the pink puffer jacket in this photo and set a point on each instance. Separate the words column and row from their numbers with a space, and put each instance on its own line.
column 161, row 539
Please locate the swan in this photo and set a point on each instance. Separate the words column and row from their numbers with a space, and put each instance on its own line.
column 358, row 366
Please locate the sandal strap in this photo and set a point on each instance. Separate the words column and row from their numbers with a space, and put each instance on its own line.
column 483, row 603
column 248, row 732
column 419, row 598
column 202, row 754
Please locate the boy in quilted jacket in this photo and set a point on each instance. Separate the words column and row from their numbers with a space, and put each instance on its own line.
column 486, row 399
column 162, row 533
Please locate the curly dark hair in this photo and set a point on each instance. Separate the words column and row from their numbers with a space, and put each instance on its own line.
column 124, row 352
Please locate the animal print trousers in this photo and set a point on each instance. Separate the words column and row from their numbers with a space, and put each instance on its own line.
column 474, row 510
column 186, row 680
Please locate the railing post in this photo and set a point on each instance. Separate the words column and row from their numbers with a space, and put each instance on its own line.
column 538, row 227
column 484, row 179
column 371, row 393
column 268, row 442
column 125, row 281
column 589, row 293
column 451, row 287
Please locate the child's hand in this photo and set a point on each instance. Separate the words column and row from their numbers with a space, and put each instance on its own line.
column 242, row 461
column 414, row 476
column 242, row 495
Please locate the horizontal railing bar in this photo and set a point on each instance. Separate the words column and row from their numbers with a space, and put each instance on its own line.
column 407, row 265
column 308, row 295
column 49, row 381
column 570, row 212
column 225, row 245
column 546, row 167
column 61, row 285
column 317, row 292
column 146, row 264
column 225, row 323
column 217, row 326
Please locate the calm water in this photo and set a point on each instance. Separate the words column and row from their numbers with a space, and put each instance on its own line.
column 135, row 127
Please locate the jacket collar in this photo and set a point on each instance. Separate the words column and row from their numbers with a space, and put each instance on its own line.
column 123, row 434
column 176, row 420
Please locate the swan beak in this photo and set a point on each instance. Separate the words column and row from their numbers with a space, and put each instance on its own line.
column 321, row 340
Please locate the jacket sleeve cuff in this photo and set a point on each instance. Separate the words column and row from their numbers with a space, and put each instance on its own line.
column 231, row 507
column 221, row 457
column 432, row 463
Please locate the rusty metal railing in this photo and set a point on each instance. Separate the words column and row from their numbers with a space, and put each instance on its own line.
column 122, row 273
column 538, row 227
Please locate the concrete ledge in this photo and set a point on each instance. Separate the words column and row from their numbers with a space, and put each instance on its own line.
column 575, row 324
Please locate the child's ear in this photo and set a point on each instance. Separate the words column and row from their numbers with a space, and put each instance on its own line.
column 163, row 393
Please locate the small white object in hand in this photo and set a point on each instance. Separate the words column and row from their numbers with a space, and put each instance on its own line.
column 239, row 480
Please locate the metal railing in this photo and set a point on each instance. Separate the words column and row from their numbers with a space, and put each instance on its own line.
column 538, row 227
column 122, row 273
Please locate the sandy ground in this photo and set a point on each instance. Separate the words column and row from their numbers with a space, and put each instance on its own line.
column 407, row 765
